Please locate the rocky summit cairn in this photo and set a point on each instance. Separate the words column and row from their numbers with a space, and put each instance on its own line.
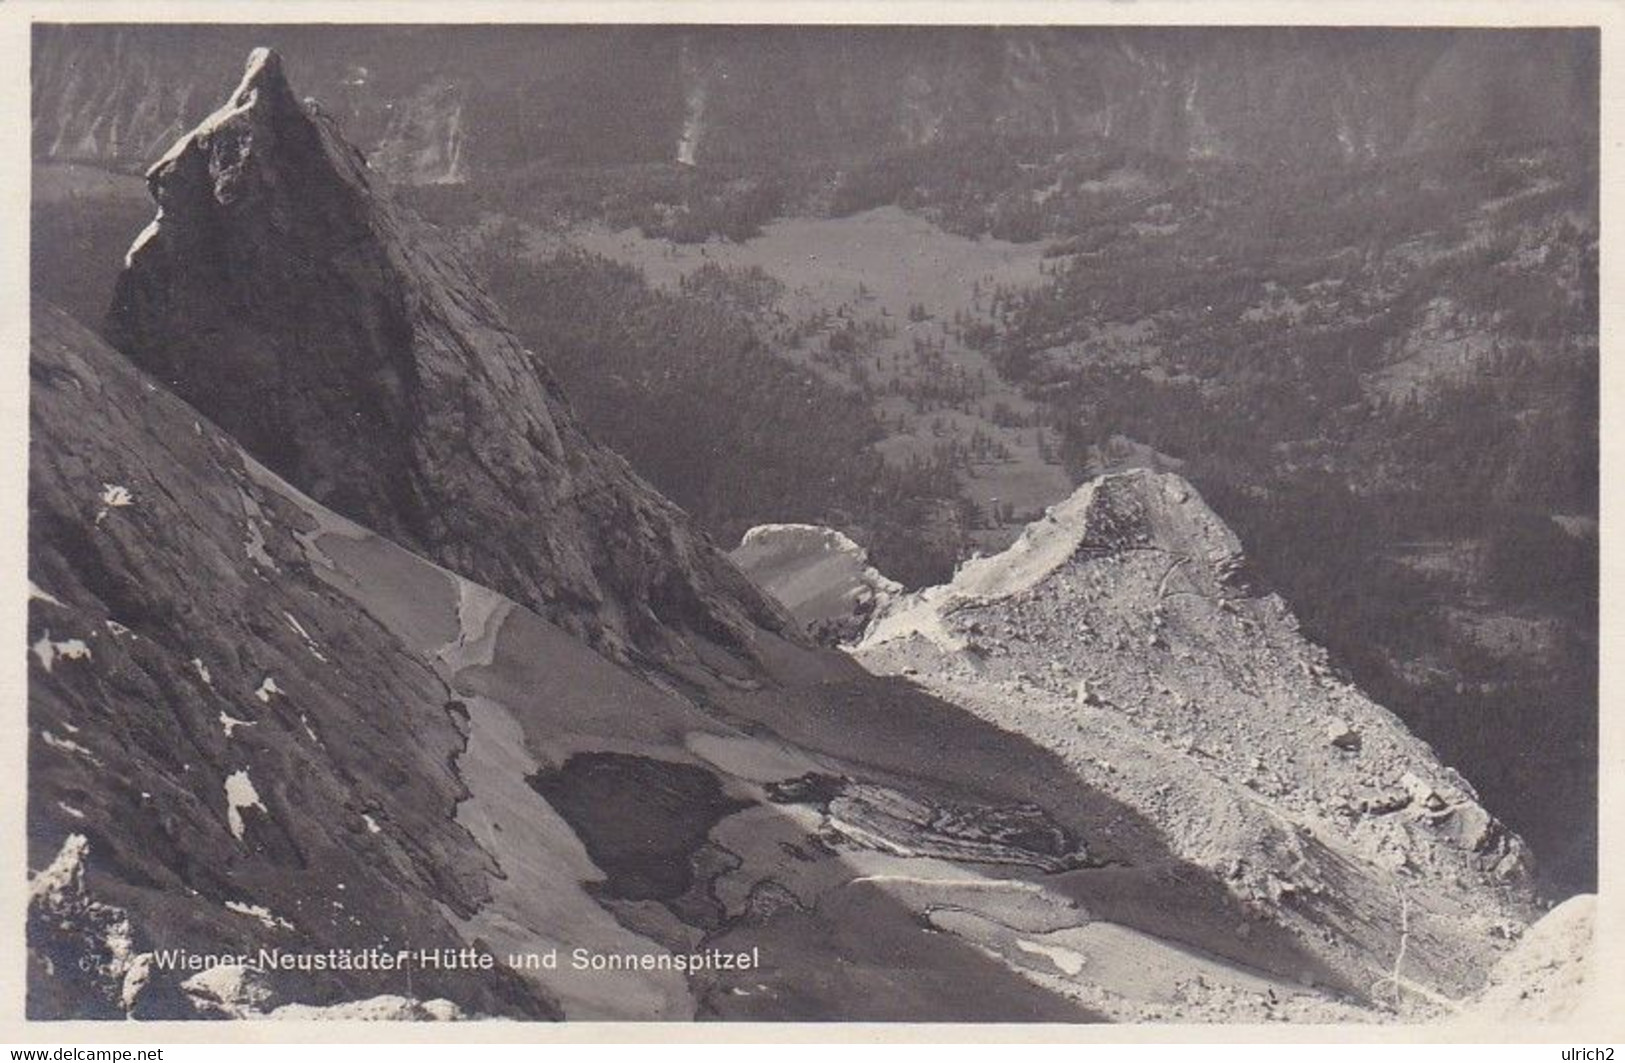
column 343, row 342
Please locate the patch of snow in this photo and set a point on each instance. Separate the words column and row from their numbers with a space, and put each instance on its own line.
column 73, row 650
column 239, row 103
column 116, row 628
column 236, row 989
column 66, row 870
column 480, row 614
column 231, row 723
column 240, row 794
column 202, row 671
column 37, row 595
column 116, row 496
column 113, row 496
column 388, row 1007
column 310, row 643
column 304, row 721
column 254, row 538
column 68, row 745
column 819, row 574
column 70, row 810
column 372, row 824
column 142, row 238
column 58, row 891
column 49, row 651
column 1068, row 962
column 266, row 689
column 269, row 920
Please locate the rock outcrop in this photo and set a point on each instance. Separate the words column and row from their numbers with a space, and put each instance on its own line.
column 343, row 343
column 1120, row 631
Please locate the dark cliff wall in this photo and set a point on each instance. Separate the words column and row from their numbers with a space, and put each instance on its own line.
column 438, row 103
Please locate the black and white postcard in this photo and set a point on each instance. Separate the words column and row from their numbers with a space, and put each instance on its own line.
column 1089, row 520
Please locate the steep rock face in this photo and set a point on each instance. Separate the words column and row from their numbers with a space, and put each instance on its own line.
column 1272, row 96
column 222, row 728
column 1120, row 632
column 343, row 343
column 110, row 97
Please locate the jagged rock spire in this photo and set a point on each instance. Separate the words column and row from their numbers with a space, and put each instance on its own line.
column 346, row 345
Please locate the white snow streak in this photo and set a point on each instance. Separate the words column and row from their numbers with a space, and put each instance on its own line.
column 240, row 794
column 231, row 723
column 266, row 917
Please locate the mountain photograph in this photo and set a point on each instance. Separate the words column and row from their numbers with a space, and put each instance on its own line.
column 670, row 523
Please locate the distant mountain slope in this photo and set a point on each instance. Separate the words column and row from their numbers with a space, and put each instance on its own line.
column 440, row 104
column 1386, row 381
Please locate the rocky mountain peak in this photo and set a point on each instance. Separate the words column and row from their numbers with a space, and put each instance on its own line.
column 264, row 86
column 344, row 342
column 1134, row 514
column 227, row 154
column 262, row 73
